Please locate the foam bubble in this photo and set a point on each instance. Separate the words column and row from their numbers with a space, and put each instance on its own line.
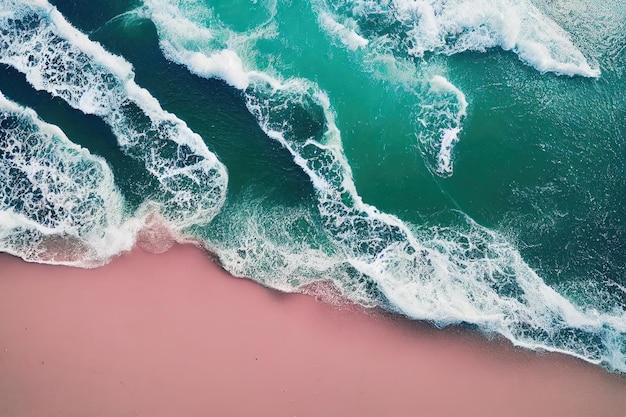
column 55, row 57
column 58, row 203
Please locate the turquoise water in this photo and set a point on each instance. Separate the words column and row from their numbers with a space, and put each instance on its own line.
column 458, row 161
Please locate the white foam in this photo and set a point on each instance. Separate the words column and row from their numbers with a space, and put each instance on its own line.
column 289, row 258
column 466, row 274
column 57, row 58
column 187, row 39
column 58, row 203
column 440, row 106
column 224, row 64
column 455, row 26
column 447, row 276
column 440, row 117
column 216, row 52
column 347, row 35
column 597, row 26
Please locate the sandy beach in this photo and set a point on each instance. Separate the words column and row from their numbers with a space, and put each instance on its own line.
column 173, row 335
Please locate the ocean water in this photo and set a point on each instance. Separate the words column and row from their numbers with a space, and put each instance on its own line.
column 455, row 161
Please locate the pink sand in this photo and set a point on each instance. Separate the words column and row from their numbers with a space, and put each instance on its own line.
column 173, row 335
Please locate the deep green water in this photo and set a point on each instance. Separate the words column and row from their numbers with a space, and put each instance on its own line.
column 329, row 119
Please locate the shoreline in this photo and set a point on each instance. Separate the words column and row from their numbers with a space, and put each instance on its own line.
column 172, row 334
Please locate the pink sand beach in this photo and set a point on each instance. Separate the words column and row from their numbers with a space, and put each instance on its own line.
column 172, row 335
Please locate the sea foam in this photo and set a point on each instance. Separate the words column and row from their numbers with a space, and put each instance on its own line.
column 58, row 203
column 440, row 116
column 220, row 52
column 417, row 27
column 444, row 274
column 55, row 57
column 399, row 32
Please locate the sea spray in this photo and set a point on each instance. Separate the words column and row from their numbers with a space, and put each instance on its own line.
column 440, row 116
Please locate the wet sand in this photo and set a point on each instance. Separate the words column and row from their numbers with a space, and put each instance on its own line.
column 174, row 335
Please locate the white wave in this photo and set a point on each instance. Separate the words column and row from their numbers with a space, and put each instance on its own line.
column 58, row 203
column 439, row 117
column 597, row 25
column 440, row 108
column 225, row 64
column 346, row 34
column 55, row 57
column 215, row 51
column 441, row 122
column 290, row 257
column 415, row 27
column 447, row 276
column 441, row 274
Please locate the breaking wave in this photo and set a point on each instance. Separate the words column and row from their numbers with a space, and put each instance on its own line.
column 448, row 275
column 416, row 27
column 58, row 203
column 55, row 57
